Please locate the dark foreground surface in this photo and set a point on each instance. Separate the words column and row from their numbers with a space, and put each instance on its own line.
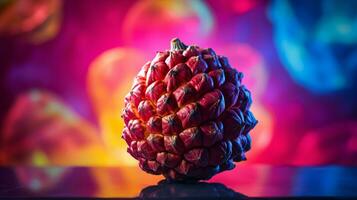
column 128, row 182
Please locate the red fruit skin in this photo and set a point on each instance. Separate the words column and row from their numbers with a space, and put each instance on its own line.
column 145, row 150
column 218, row 77
column 224, row 62
column 191, row 51
column 230, row 93
column 156, row 72
column 212, row 62
column 174, row 58
column 212, row 104
column 199, row 157
column 136, row 93
column 154, row 166
column 154, row 124
column 233, row 76
column 188, row 115
column 202, row 83
column 184, row 94
column 126, row 136
column 141, row 77
column 208, row 51
column 160, row 57
column 192, row 137
column 244, row 100
column 137, row 129
column 212, row 133
column 234, row 123
column 171, row 125
column 128, row 113
column 168, row 159
column 166, row 104
column 156, row 141
column 133, row 150
column 197, row 64
column 173, row 144
column 155, row 90
column 146, row 110
column 179, row 74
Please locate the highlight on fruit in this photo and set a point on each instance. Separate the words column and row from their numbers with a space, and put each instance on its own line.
column 188, row 115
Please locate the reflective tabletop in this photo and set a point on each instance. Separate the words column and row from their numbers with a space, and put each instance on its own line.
column 244, row 181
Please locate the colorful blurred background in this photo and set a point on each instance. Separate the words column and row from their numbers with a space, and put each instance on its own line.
column 65, row 67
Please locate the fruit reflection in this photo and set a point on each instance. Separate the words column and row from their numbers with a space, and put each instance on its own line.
column 165, row 189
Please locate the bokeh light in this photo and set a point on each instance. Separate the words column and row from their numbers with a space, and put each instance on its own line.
column 38, row 20
column 325, row 145
column 151, row 24
column 316, row 42
column 109, row 80
column 41, row 130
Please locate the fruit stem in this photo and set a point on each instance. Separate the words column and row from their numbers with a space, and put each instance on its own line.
column 176, row 44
